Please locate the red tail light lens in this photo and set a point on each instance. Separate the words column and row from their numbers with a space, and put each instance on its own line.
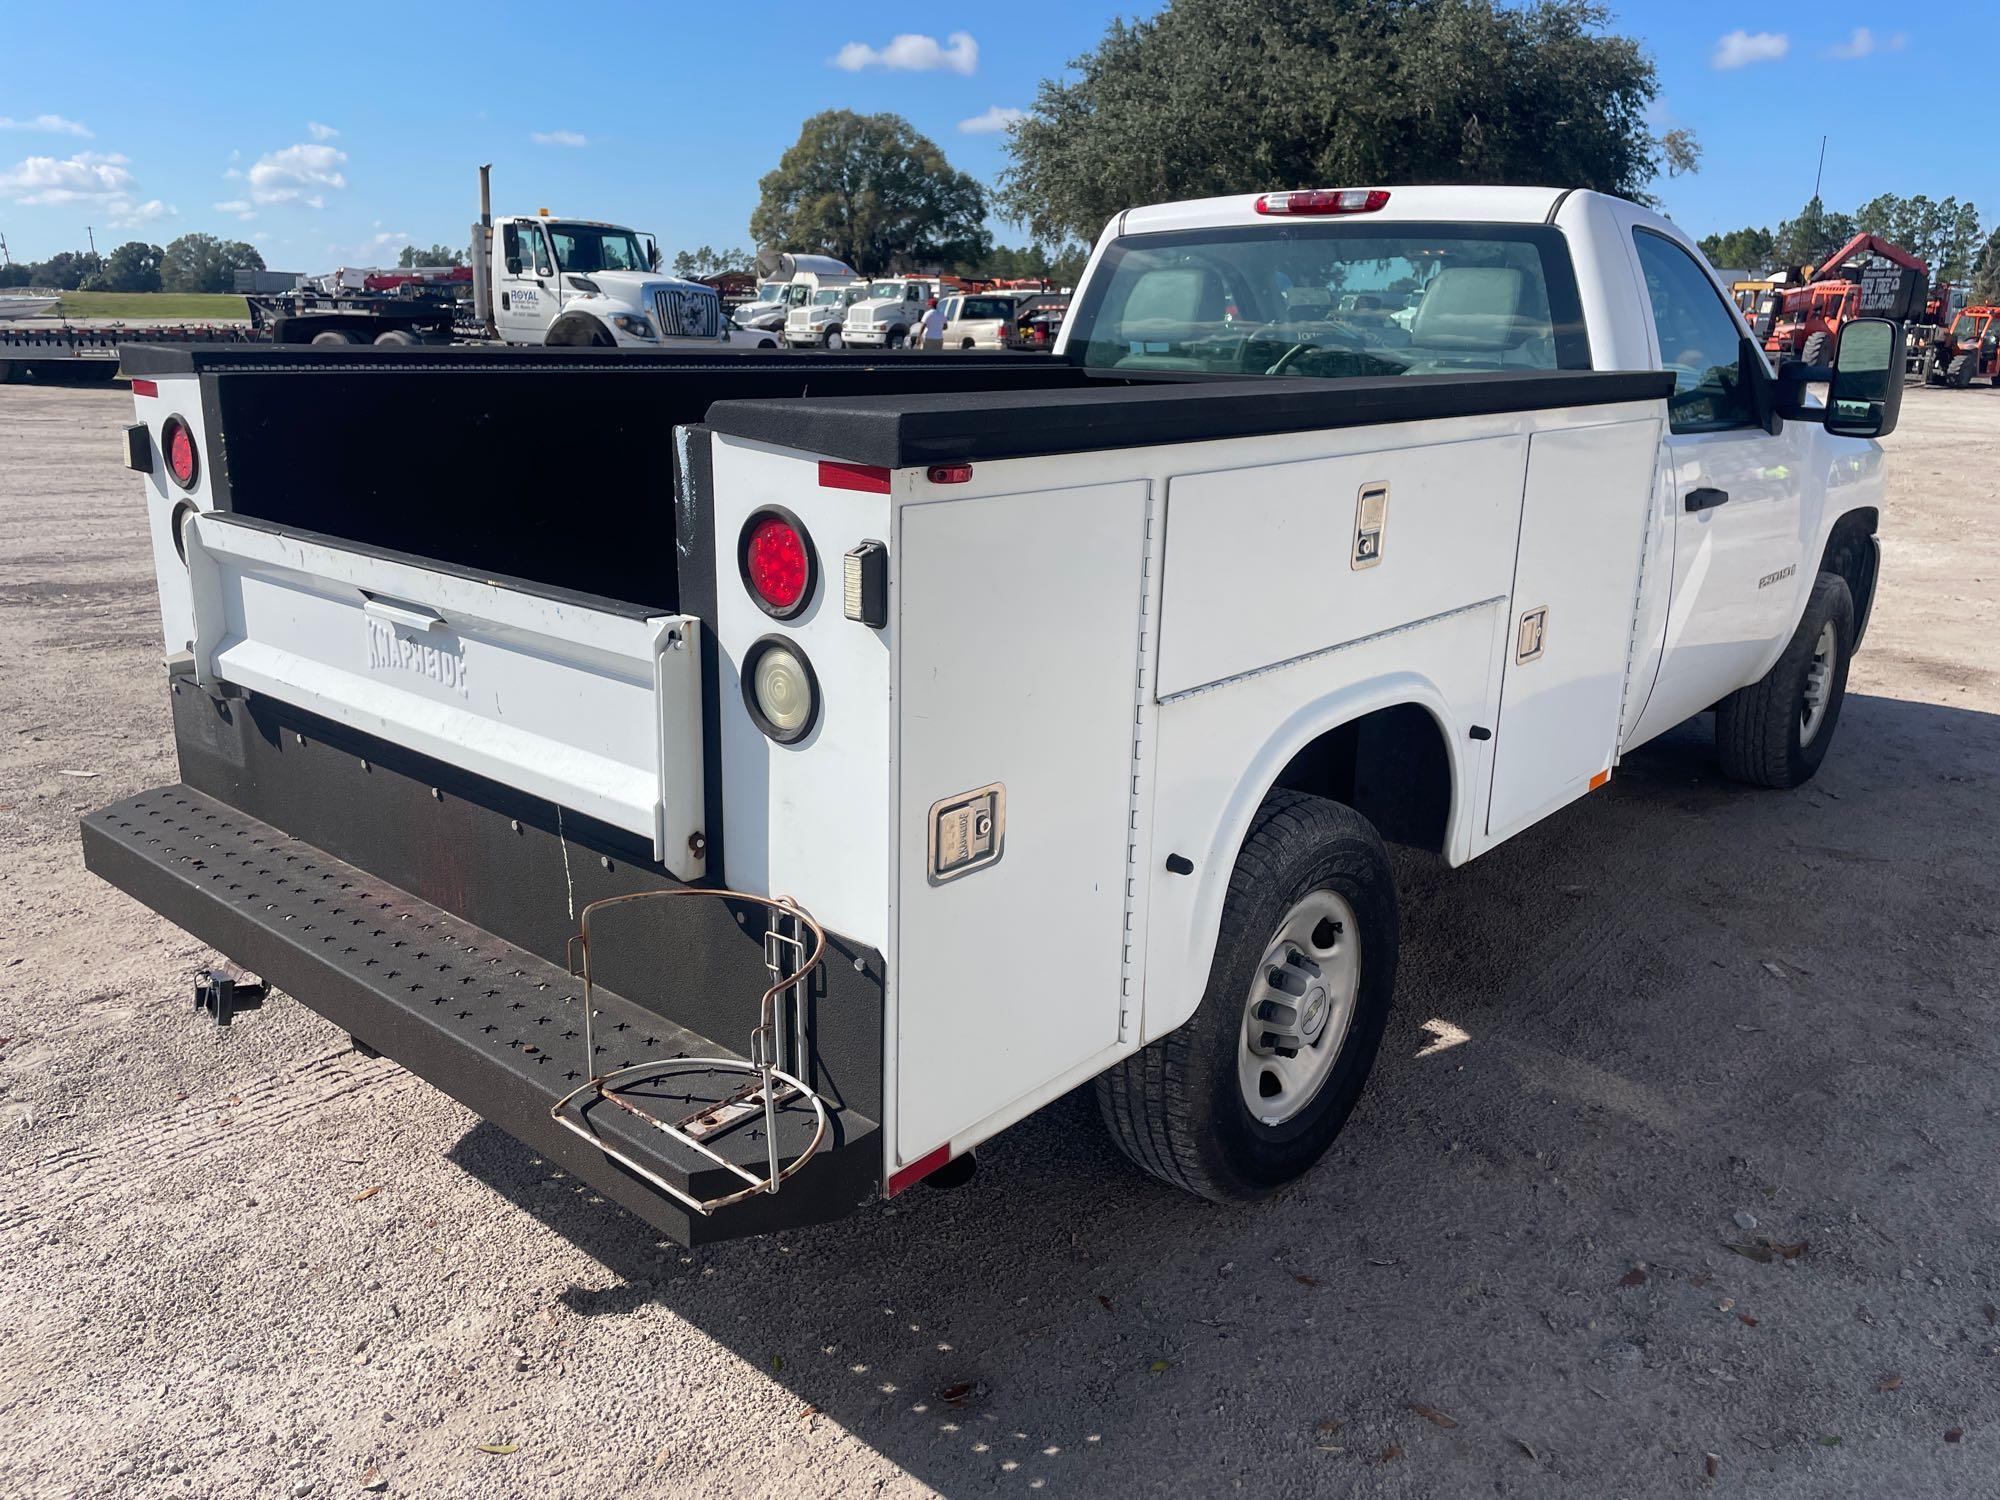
column 183, row 461
column 1325, row 201
column 777, row 562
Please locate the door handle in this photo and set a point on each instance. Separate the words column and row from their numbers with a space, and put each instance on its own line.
column 1706, row 498
column 392, row 613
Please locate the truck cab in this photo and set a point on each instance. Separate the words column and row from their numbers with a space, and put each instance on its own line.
column 578, row 282
column 817, row 323
column 887, row 317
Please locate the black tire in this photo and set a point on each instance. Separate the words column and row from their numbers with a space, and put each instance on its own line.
column 334, row 336
column 1176, row 1107
column 835, row 340
column 580, row 333
column 899, row 338
column 1817, row 348
column 1758, row 729
column 95, row 371
column 1960, row 373
column 396, row 338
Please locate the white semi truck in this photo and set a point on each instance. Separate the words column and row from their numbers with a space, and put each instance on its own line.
column 888, row 316
column 965, row 730
column 788, row 281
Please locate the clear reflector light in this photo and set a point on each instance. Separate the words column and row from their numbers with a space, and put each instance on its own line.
column 783, row 689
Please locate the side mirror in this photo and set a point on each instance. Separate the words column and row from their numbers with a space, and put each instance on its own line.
column 1866, row 394
column 513, row 265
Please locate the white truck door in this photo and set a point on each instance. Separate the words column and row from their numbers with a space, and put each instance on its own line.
column 525, row 300
column 1585, row 512
column 1737, row 497
column 1016, row 689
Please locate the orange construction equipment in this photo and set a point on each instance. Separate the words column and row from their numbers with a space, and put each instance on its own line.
column 1967, row 350
column 1850, row 283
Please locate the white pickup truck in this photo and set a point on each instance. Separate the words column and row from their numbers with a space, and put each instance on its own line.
column 966, row 729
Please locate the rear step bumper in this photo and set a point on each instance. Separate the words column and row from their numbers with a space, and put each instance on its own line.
column 492, row 1025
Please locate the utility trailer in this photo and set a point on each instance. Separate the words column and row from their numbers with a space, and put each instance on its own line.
column 759, row 806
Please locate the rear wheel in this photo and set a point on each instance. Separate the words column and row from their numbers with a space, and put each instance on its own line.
column 1817, row 348
column 1776, row 731
column 1248, row 1094
column 334, row 336
column 396, row 338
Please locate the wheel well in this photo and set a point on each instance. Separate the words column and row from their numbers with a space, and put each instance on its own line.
column 1848, row 554
column 1391, row 766
column 575, row 330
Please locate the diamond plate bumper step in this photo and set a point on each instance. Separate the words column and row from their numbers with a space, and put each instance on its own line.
column 494, row 1026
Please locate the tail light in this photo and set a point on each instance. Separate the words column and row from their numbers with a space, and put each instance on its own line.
column 1325, row 201
column 183, row 460
column 776, row 558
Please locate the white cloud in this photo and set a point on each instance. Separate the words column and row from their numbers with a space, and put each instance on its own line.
column 1861, row 42
column 137, row 215
column 297, row 174
column 86, row 177
column 320, row 132
column 48, row 125
column 1741, row 48
column 998, row 117
column 913, row 52
column 243, row 208
column 559, row 138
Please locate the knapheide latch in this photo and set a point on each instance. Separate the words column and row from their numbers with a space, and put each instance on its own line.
column 968, row 832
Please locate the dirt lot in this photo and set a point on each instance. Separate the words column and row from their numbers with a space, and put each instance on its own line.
column 258, row 1264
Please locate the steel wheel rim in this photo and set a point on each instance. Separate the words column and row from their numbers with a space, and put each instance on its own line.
column 1301, row 1000
column 1819, row 683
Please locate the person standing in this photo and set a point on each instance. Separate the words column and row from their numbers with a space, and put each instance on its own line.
column 932, row 326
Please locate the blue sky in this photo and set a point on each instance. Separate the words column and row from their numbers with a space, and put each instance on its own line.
column 664, row 116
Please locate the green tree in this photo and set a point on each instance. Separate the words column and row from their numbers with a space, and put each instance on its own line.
column 1747, row 249
column 437, row 255
column 690, row 265
column 66, row 270
column 1812, row 236
column 1986, row 271
column 203, row 263
column 1945, row 235
column 1232, row 96
column 133, row 267
column 872, row 191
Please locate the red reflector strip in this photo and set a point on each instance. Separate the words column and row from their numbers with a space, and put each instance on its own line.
column 867, row 478
column 145, row 388
column 949, row 473
column 919, row 1169
column 1325, row 201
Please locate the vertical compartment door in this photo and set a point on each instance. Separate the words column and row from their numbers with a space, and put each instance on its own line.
column 1576, row 586
column 1017, row 678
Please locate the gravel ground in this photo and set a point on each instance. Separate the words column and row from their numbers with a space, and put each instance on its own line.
column 1701, row 1019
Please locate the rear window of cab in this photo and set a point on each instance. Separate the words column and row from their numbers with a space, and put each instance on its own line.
column 1335, row 300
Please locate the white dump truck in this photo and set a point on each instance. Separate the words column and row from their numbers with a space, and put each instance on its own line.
column 757, row 813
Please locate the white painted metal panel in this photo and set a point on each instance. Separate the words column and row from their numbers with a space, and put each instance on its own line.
column 598, row 712
column 809, row 820
column 1583, row 527
column 1018, row 645
column 1259, row 565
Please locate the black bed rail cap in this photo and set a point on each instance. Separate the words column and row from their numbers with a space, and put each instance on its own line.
column 906, row 431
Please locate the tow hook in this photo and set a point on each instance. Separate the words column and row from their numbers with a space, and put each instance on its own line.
column 222, row 994
column 955, row 1173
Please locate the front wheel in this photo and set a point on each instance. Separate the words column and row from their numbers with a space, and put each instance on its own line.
column 1248, row 1094
column 1776, row 731
column 834, row 339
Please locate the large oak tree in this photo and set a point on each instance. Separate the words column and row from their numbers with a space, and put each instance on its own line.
column 1233, row 96
column 871, row 190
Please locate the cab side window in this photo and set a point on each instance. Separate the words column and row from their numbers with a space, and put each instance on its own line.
column 522, row 245
column 1700, row 339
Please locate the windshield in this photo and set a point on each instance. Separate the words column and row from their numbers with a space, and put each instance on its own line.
column 1335, row 300
column 771, row 291
column 1966, row 328
column 831, row 297
column 890, row 289
column 584, row 248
